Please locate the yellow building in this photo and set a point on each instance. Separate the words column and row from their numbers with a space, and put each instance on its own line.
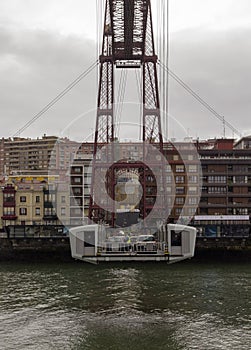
column 34, row 200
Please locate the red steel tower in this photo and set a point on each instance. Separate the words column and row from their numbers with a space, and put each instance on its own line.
column 127, row 43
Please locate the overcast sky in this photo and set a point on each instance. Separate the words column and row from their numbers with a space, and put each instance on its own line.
column 46, row 44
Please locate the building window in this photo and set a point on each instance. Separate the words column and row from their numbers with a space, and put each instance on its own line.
column 221, row 179
column 37, row 211
column 169, row 200
column 37, row 199
column 23, row 211
column 192, row 200
column 8, row 197
column 63, row 211
column 150, row 178
column 180, row 179
column 49, row 211
column 191, row 211
column 240, row 179
column 241, row 168
column 77, row 170
column 180, row 190
column 204, row 189
column 23, row 199
column 180, row 168
column 179, row 200
column 192, row 168
column 240, row 211
column 76, row 180
column 62, row 199
column 192, row 189
column 8, row 211
column 50, row 197
column 217, row 189
column 169, row 179
column 193, row 178
column 169, row 189
column 77, row 191
column 178, row 211
column 86, row 201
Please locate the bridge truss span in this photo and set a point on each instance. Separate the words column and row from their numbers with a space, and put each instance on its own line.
column 127, row 43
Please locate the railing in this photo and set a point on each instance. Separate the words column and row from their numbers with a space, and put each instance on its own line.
column 133, row 248
column 35, row 231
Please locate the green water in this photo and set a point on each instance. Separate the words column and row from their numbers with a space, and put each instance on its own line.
column 78, row 306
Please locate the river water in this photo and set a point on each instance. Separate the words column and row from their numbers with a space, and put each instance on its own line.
column 78, row 306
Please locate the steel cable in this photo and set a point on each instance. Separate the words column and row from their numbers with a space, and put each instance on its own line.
column 199, row 99
column 56, row 99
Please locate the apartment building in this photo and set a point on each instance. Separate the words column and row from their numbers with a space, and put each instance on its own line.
column 8, row 205
column 29, row 200
column 225, row 203
column 80, row 187
column 223, row 195
column 37, row 156
column 207, row 182
column 25, row 155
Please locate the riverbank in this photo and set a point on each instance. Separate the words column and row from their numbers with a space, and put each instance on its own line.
column 58, row 249
column 35, row 249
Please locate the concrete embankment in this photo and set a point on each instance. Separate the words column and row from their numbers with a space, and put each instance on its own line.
column 223, row 248
column 58, row 249
column 35, row 249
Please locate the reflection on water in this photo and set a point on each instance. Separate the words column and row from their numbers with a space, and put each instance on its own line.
column 78, row 306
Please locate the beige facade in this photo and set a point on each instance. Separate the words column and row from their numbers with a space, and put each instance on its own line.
column 221, row 187
column 29, row 206
column 22, row 154
column 29, row 200
column 36, row 156
column 63, row 203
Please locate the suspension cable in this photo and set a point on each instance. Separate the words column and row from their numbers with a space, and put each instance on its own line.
column 199, row 99
column 140, row 94
column 122, row 88
column 118, row 99
column 56, row 99
column 163, row 54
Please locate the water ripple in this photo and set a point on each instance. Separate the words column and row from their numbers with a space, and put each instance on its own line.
column 185, row 307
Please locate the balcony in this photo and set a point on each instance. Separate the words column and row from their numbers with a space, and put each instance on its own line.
column 213, row 194
column 239, row 205
column 50, row 217
column 9, row 217
column 9, row 204
column 49, row 204
column 212, row 205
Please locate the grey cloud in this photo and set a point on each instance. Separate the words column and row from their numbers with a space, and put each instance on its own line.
column 216, row 64
column 36, row 65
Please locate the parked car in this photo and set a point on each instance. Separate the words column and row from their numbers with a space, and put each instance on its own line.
column 146, row 243
column 146, row 238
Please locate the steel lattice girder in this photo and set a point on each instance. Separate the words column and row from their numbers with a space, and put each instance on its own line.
column 127, row 41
